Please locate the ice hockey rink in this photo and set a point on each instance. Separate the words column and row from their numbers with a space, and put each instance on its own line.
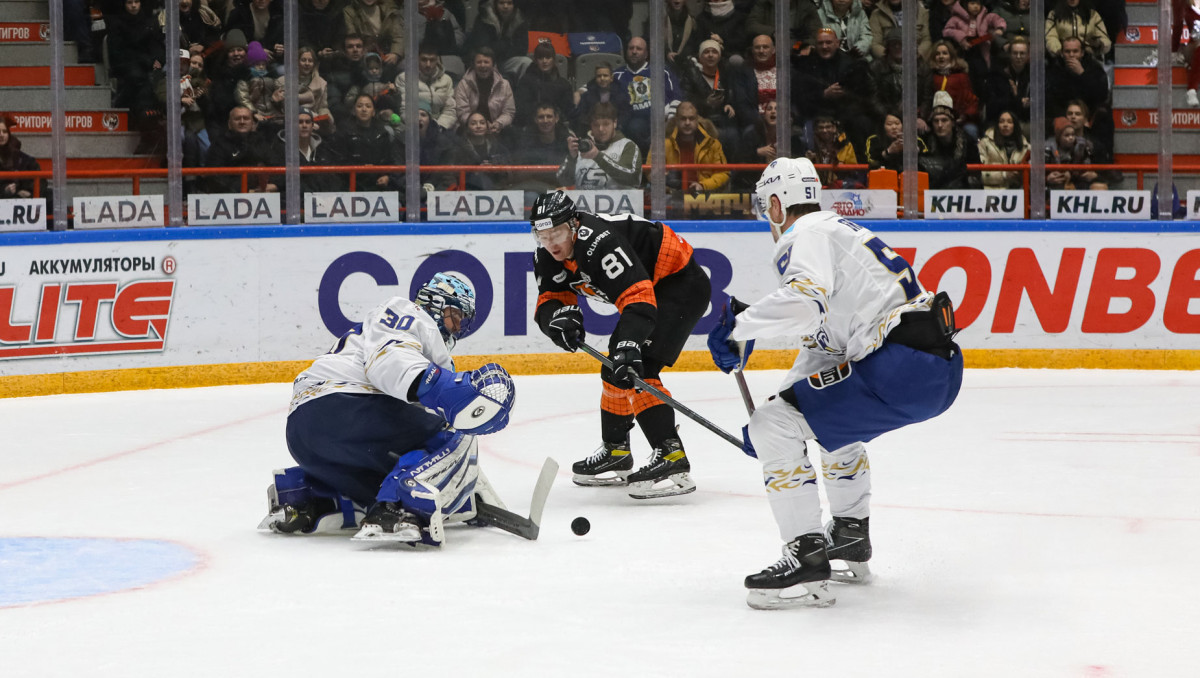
column 1047, row 525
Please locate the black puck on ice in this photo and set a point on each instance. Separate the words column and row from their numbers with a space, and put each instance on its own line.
column 580, row 526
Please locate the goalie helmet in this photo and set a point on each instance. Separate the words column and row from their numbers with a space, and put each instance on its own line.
column 793, row 180
column 448, row 291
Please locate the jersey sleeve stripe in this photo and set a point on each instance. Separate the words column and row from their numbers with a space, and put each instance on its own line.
column 640, row 291
column 673, row 254
column 565, row 297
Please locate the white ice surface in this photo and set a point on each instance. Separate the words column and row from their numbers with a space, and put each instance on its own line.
column 1047, row 525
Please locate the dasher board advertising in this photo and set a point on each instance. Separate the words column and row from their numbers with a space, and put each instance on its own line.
column 1100, row 205
column 975, row 204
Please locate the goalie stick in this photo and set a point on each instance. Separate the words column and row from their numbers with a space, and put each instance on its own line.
column 493, row 516
column 679, row 407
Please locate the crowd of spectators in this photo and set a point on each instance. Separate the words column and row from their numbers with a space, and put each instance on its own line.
column 496, row 89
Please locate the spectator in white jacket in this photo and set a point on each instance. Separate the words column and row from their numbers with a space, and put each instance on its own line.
column 604, row 159
column 434, row 87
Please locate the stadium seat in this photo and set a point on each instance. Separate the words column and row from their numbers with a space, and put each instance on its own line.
column 891, row 180
column 454, row 67
column 883, row 179
column 585, row 66
column 593, row 43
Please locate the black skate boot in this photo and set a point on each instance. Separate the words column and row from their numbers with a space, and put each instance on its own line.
column 668, row 464
column 609, row 458
column 303, row 517
column 389, row 521
column 849, row 540
column 803, row 569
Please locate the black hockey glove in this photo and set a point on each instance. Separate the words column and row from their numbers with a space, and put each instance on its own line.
column 565, row 328
column 626, row 364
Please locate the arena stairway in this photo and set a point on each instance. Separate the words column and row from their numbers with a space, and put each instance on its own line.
column 98, row 135
column 1135, row 101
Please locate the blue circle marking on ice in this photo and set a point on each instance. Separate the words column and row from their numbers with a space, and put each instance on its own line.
column 47, row 569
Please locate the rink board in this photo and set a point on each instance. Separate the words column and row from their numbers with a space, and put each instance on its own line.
column 157, row 307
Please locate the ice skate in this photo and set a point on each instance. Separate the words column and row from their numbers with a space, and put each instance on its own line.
column 301, row 512
column 798, row 579
column 389, row 521
column 300, row 518
column 666, row 475
column 609, row 465
column 849, row 540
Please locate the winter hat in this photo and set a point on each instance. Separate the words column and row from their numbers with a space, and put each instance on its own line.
column 425, row 105
column 372, row 56
column 235, row 38
column 710, row 43
column 942, row 103
column 1059, row 124
column 255, row 53
column 894, row 34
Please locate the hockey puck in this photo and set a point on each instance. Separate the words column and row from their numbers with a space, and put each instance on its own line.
column 580, row 526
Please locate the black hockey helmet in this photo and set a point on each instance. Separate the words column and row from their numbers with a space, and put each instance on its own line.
column 551, row 209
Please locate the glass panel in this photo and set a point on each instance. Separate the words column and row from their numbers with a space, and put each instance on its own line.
column 115, row 141
column 26, row 140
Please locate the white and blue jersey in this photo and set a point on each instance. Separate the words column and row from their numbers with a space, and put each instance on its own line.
column 840, row 288
column 385, row 353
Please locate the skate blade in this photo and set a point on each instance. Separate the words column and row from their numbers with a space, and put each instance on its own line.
column 274, row 518
column 812, row 594
column 853, row 573
column 601, row 480
column 671, row 486
column 407, row 535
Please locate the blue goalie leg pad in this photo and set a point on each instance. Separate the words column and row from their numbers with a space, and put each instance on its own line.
column 439, row 477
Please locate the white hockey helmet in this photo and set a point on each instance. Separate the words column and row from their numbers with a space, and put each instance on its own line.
column 793, row 180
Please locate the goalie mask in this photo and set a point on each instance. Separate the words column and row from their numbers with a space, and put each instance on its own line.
column 794, row 181
column 448, row 295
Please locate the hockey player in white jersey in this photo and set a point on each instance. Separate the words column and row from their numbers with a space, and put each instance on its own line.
column 383, row 423
column 877, row 354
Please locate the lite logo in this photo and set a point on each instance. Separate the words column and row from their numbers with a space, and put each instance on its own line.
column 108, row 319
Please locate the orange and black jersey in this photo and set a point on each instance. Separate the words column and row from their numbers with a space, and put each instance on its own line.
column 618, row 260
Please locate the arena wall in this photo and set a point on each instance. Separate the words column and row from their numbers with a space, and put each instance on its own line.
column 161, row 308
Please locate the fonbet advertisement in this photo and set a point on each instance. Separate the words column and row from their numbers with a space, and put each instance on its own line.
column 216, row 301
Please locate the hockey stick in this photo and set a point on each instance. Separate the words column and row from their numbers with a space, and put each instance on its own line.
column 494, row 516
column 746, row 397
column 680, row 407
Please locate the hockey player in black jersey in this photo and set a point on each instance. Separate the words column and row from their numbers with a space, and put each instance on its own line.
column 647, row 271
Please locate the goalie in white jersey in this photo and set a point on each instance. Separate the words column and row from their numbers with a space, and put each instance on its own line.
column 383, row 424
column 877, row 354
